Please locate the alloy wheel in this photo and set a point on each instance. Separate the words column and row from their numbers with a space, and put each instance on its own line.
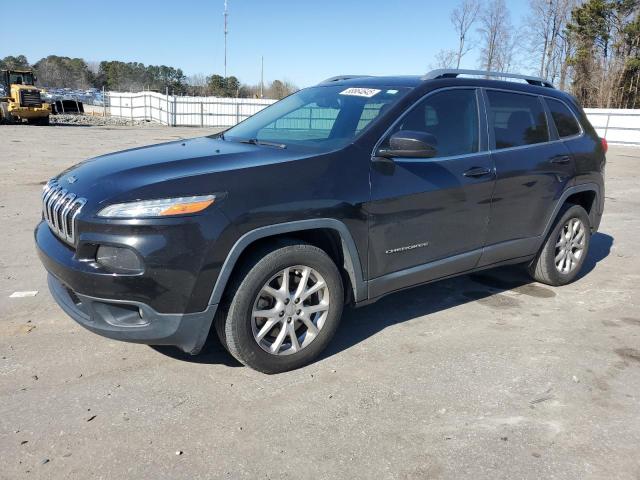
column 570, row 245
column 290, row 310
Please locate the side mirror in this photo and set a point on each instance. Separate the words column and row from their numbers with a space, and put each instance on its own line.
column 410, row 144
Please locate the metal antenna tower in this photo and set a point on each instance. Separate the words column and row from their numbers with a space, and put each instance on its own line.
column 226, row 16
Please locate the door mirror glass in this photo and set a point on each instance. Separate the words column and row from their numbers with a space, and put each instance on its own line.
column 410, row 144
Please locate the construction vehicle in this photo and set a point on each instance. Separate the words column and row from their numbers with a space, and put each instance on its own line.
column 21, row 99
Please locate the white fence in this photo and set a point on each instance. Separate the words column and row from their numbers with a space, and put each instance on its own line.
column 618, row 126
column 183, row 111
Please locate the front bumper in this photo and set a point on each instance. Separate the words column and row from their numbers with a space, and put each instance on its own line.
column 30, row 112
column 123, row 307
column 133, row 321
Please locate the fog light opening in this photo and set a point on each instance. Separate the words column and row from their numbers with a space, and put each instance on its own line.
column 119, row 259
column 120, row 315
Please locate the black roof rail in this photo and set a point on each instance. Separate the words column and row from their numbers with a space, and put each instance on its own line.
column 339, row 78
column 453, row 73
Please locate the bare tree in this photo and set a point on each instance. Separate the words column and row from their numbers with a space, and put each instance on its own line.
column 64, row 72
column 506, row 60
column 280, row 89
column 197, row 85
column 546, row 23
column 564, row 56
column 445, row 59
column 496, row 38
column 463, row 17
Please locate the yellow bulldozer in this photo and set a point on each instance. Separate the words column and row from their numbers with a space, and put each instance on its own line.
column 21, row 100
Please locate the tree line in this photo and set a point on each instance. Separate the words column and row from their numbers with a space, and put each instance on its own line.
column 590, row 48
column 64, row 72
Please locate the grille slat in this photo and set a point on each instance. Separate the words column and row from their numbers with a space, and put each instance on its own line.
column 60, row 209
column 30, row 98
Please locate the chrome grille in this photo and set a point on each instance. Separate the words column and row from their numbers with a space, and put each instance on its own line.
column 60, row 209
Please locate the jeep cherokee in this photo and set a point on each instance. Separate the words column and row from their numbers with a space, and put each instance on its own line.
column 340, row 193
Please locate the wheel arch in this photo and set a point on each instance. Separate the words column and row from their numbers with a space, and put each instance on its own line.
column 301, row 228
column 586, row 195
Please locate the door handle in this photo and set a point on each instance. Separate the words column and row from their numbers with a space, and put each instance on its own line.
column 477, row 172
column 560, row 160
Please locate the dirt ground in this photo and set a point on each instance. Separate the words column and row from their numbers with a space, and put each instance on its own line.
column 486, row 376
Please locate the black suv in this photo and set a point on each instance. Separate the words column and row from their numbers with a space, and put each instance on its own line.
column 340, row 193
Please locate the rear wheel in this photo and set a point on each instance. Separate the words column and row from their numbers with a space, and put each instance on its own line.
column 284, row 309
column 565, row 249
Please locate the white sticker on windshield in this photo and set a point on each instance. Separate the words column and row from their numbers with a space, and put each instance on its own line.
column 360, row 92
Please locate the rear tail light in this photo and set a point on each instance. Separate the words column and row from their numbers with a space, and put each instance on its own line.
column 605, row 145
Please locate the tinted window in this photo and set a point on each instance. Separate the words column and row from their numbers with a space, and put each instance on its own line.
column 370, row 112
column 318, row 118
column 563, row 118
column 451, row 117
column 517, row 119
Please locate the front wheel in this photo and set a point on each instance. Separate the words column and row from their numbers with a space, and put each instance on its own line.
column 285, row 307
column 43, row 121
column 565, row 249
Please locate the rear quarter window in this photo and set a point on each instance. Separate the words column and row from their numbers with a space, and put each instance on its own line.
column 565, row 120
column 517, row 119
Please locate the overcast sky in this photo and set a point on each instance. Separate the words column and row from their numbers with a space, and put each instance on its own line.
column 302, row 41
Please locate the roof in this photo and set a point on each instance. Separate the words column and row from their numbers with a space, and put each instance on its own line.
column 454, row 75
column 370, row 81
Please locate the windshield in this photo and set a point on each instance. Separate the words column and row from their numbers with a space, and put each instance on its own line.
column 20, row 78
column 320, row 118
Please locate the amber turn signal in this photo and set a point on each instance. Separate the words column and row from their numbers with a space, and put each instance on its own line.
column 185, row 208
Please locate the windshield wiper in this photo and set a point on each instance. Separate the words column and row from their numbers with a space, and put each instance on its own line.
column 255, row 141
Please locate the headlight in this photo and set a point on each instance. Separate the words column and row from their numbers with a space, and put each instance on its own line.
column 158, row 208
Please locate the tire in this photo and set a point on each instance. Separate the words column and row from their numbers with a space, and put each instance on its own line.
column 5, row 116
column 3, row 112
column 43, row 121
column 576, row 248
column 251, row 290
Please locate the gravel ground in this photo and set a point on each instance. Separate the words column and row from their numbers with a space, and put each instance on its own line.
column 486, row 376
column 95, row 120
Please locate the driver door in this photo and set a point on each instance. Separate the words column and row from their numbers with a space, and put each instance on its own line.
column 429, row 216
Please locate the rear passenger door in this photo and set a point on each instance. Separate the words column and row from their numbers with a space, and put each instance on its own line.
column 533, row 168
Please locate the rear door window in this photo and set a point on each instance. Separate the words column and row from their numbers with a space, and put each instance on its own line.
column 517, row 119
column 565, row 121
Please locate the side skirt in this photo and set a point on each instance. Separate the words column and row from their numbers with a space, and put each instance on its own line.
column 499, row 255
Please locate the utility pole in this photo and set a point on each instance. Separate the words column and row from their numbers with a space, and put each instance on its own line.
column 262, row 76
column 226, row 16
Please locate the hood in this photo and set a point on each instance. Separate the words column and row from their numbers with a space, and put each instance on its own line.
column 125, row 174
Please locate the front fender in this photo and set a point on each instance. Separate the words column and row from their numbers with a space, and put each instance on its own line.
column 350, row 252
